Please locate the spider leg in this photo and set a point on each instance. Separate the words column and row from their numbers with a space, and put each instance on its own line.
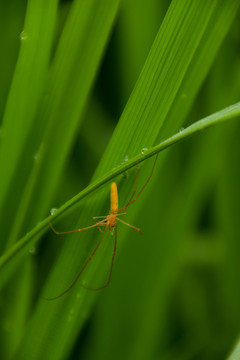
column 99, row 217
column 132, row 199
column 120, row 214
column 83, row 268
column 134, row 192
column 100, row 223
column 99, row 229
column 111, row 268
column 131, row 226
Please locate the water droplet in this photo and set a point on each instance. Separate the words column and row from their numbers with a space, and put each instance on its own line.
column 53, row 210
column 23, row 36
column 144, row 150
column 124, row 160
column 181, row 129
column 33, row 250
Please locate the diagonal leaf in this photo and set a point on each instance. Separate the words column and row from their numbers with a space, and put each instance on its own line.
column 139, row 126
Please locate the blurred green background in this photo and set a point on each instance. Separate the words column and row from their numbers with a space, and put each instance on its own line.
column 85, row 86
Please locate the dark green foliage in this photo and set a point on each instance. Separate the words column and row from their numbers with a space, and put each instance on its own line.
column 69, row 70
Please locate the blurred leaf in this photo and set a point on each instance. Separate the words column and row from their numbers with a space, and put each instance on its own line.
column 182, row 273
column 138, row 128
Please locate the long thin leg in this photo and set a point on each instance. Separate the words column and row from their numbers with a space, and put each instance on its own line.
column 131, row 226
column 99, row 217
column 121, row 213
column 83, row 268
column 100, row 223
column 134, row 191
column 111, row 268
column 132, row 199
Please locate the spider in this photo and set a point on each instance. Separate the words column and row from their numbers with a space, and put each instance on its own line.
column 108, row 222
